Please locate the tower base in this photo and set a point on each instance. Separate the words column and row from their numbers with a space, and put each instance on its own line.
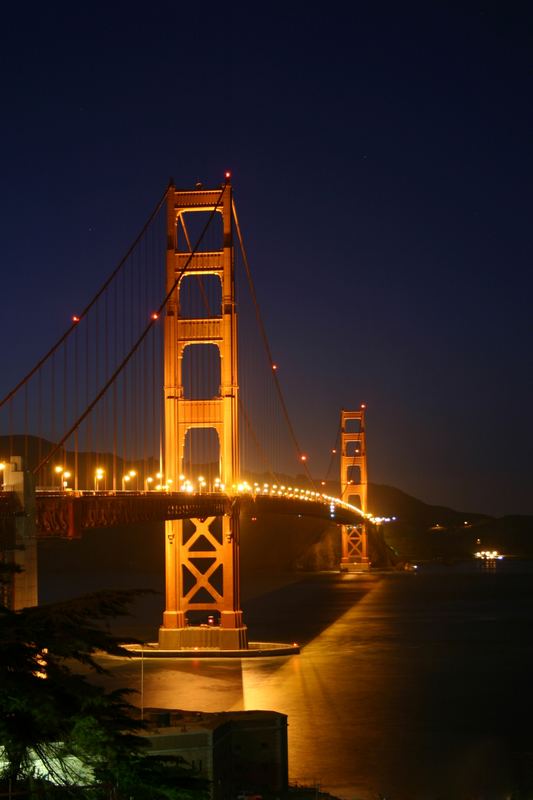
column 361, row 565
column 203, row 637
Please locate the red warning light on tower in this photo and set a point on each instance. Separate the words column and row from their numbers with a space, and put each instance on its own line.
column 227, row 175
column 155, row 315
column 303, row 457
column 75, row 318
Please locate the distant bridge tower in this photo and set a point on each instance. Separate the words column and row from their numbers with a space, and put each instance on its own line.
column 201, row 555
column 354, row 488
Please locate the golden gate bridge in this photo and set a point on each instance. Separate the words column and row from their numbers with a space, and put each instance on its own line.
column 155, row 404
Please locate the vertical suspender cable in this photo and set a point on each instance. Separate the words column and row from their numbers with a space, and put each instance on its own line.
column 133, row 349
column 267, row 345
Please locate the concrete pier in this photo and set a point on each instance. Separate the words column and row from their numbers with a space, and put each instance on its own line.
column 21, row 549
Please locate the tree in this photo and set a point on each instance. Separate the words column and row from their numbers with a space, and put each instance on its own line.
column 53, row 715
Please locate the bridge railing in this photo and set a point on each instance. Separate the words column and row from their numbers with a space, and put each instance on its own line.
column 67, row 513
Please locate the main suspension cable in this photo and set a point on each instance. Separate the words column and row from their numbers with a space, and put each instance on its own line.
column 267, row 347
column 333, row 453
column 78, row 318
column 153, row 319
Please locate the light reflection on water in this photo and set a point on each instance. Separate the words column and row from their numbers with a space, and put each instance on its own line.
column 413, row 686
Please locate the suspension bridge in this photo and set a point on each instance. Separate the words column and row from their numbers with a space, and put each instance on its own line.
column 155, row 405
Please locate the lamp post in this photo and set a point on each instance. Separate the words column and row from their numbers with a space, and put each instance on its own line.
column 59, row 472
column 133, row 474
column 148, row 483
column 66, row 476
column 2, row 471
column 125, row 479
column 99, row 475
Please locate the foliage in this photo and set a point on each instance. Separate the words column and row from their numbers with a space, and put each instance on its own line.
column 52, row 714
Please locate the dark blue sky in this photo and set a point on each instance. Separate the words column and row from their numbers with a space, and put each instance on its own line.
column 381, row 160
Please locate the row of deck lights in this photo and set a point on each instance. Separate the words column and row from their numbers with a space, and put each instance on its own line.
column 306, row 494
column 241, row 488
column 294, row 492
column 186, row 485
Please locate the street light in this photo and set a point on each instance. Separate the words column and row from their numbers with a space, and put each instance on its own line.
column 59, row 472
column 125, row 479
column 98, row 476
column 201, row 483
column 148, row 484
column 133, row 474
column 2, row 471
column 66, row 476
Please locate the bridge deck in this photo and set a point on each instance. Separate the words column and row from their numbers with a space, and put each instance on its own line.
column 68, row 514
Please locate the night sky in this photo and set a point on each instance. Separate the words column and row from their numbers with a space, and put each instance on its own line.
column 381, row 161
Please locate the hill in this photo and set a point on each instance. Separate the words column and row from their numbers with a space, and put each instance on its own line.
column 423, row 531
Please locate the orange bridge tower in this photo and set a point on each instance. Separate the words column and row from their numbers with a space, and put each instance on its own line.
column 354, row 489
column 201, row 555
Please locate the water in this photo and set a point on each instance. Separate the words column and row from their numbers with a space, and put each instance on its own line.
column 407, row 685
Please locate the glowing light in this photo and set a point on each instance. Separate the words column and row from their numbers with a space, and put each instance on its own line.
column 154, row 315
column 274, row 366
column 303, row 457
column 227, row 175
column 334, row 451
column 58, row 470
column 98, row 476
column 75, row 318
column 489, row 555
